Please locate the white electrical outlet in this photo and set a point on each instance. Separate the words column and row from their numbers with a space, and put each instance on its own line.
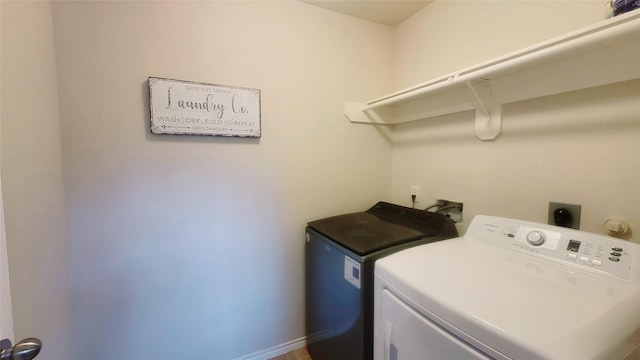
column 415, row 190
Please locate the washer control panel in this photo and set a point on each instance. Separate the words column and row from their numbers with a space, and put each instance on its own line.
column 599, row 253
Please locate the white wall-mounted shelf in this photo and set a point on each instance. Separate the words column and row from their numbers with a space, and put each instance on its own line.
column 604, row 53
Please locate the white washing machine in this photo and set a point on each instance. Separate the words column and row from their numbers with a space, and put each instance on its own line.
column 510, row 289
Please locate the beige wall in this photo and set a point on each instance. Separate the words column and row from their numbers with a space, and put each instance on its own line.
column 32, row 182
column 579, row 147
column 449, row 35
column 191, row 246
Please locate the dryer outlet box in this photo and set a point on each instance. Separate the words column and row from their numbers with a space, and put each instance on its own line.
column 563, row 214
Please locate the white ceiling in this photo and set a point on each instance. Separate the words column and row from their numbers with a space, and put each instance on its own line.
column 388, row 12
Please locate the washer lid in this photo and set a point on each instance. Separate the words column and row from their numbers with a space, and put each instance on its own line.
column 519, row 306
column 383, row 226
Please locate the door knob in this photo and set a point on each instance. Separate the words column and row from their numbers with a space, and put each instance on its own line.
column 25, row 349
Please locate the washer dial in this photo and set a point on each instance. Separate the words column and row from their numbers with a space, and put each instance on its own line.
column 536, row 238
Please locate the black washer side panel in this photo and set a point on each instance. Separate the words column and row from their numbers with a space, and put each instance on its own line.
column 334, row 307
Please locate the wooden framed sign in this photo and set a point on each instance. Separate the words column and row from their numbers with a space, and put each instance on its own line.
column 192, row 108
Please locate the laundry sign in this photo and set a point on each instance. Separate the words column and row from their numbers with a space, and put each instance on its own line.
column 193, row 108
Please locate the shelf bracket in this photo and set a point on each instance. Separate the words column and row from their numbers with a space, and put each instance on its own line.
column 488, row 127
column 486, row 98
column 355, row 113
column 488, row 119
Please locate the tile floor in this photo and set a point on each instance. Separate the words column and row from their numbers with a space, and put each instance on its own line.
column 300, row 354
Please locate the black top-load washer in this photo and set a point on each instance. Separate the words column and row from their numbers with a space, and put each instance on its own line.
column 340, row 254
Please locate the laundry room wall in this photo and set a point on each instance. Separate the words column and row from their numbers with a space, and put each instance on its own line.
column 579, row 147
column 32, row 180
column 188, row 246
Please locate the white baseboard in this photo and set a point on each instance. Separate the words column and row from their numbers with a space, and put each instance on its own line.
column 276, row 350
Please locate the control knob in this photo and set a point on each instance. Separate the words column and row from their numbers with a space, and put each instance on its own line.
column 536, row 238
